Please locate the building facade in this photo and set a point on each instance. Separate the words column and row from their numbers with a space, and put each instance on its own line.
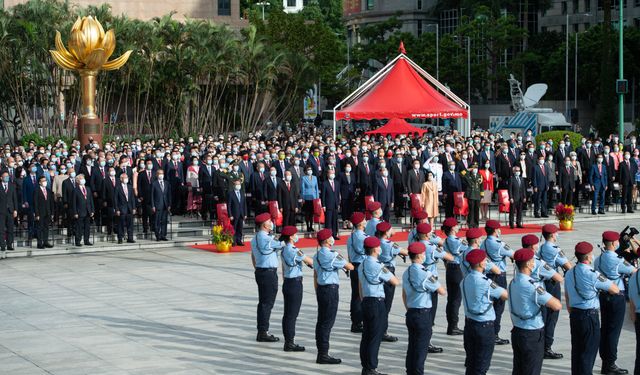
column 219, row 11
column 579, row 15
column 293, row 6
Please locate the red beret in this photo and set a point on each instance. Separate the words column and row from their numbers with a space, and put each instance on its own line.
column 357, row 218
column 421, row 215
column 289, row 230
column 324, row 235
column 383, row 226
column 263, row 218
column 523, row 255
column 583, row 248
column 371, row 242
column 474, row 233
column 423, row 228
column 492, row 224
column 549, row 228
column 610, row 236
column 372, row 206
column 476, row 256
column 417, row 248
column 450, row 222
column 529, row 240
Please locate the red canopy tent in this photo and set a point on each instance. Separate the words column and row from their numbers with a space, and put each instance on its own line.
column 396, row 126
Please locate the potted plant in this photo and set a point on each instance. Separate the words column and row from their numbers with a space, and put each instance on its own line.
column 222, row 236
column 565, row 214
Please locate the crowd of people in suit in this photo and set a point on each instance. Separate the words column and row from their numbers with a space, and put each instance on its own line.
column 110, row 185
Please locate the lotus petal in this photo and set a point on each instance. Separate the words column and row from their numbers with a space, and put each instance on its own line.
column 62, row 49
column 99, row 27
column 109, row 43
column 92, row 36
column 96, row 59
column 78, row 45
column 64, row 62
column 76, row 25
column 117, row 63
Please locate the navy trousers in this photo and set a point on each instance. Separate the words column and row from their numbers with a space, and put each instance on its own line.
column 454, row 296
column 528, row 350
column 267, row 280
column 540, row 202
column 356, row 303
column 498, row 304
column 327, row 297
column 479, row 342
column 420, row 330
column 374, row 320
column 612, row 308
column 585, row 336
column 331, row 221
column 292, row 293
column 389, row 292
column 550, row 317
column 637, row 366
column 598, row 198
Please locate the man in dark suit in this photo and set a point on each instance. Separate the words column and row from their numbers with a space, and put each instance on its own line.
column 487, row 154
column 205, row 181
column 348, row 187
column 272, row 184
column 517, row 197
column 627, row 170
column 29, row 185
column 330, row 196
column 288, row 197
column 98, row 176
column 398, row 173
column 415, row 178
column 383, row 192
column 587, row 158
column 237, row 210
column 43, row 203
column 566, row 181
column 83, row 210
column 451, row 183
column 8, row 211
column 108, row 199
column 464, row 164
column 504, row 166
column 68, row 191
column 246, row 167
column 159, row 161
column 161, row 200
column 125, row 167
column 561, row 154
column 144, row 195
column 317, row 163
column 540, row 184
column 365, row 178
column 258, row 189
column 175, row 177
column 281, row 165
column 296, row 172
column 125, row 206
column 598, row 177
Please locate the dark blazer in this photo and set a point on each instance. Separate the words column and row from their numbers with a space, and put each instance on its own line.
column 235, row 208
column 279, row 170
column 205, row 179
column 127, row 170
column 28, row 188
column 97, row 179
column 567, row 180
column 162, row 164
column 598, row 179
column 175, row 173
column 365, row 180
column 313, row 163
column 144, row 186
column 483, row 157
column 504, row 166
column 451, row 182
column 108, row 191
column 270, row 189
column 160, row 200
column 8, row 200
column 67, row 191
column 257, row 187
column 398, row 173
column 611, row 168
column 330, row 198
column 247, row 170
column 558, row 157
column 383, row 194
column 81, row 206
column 287, row 198
column 540, row 180
column 627, row 173
column 517, row 191
column 587, row 159
column 121, row 203
column 414, row 182
column 42, row 207
column 348, row 188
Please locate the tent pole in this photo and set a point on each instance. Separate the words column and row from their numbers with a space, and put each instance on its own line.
column 334, row 124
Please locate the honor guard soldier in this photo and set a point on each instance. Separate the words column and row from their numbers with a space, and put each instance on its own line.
column 326, row 264
column 527, row 298
column 355, row 247
column 541, row 272
column 497, row 252
column 388, row 253
column 612, row 307
column 454, row 246
column 478, row 291
column 554, row 257
column 634, row 306
column 420, row 217
column 431, row 255
column 292, row 259
column 474, row 236
column 581, row 287
column 418, row 285
column 373, row 275
column 376, row 213
column 264, row 255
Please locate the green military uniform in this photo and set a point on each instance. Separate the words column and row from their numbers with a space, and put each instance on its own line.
column 473, row 193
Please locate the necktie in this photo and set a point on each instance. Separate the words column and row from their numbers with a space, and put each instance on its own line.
column 162, row 185
column 84, row 192
column 385, row 182
column 102, row 171
column 542, row 168
column 5, row 188
column 600, row 168
column 331, row 182
column 238, row 195
column 628, row 165
column 518, row 180
column 126, row 192
column 44, row 191
column 367, row 168
column 288, row 187
column 113, row 181
column 33, row 179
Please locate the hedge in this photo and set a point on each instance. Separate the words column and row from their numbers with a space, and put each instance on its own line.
column 557, row 136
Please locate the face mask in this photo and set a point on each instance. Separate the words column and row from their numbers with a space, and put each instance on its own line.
column 517, row 174
column 574, row 157
column 82, row 182
column 73, row 175
column 382, row 165
column 435, row 159
column 224, row 165
column 365, row 159
column 43, row 184
column 474, row 171
column 568, row 163
column 305, row 155
column 452, row 167
column 141, row 165
column 237, row 187
column 332, row 176
column 160, row 177
column 34, row 169
column 347, row 169
column 522, row 157
column 588, row 145
column 5, row 178
column 606, row 151
column 296, row 163
column 112, row 173
column 487, row 166
column 175, row 157
column 309, row 172
column 399, row 160
column 540, row 162
column 465, row 157
column 385, row 173
column 627, row 157
column 616, row 149
column 416, row 166
column 531, row 150
column 600, row 160
column 195, row 162
column 273, row 173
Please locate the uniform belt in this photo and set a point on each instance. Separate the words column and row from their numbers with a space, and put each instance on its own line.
column 270, row 269
column 585, row 311
column 483, row 324
column 375, row 298
column 297, row 278
column 419, row 309
column 329, row 286
column 453, row 265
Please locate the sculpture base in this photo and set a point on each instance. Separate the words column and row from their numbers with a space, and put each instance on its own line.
column 90, row 128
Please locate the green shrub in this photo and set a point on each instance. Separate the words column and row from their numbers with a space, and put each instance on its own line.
column 557, row 136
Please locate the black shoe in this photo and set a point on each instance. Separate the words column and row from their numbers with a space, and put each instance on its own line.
column 545, row 215
column 293, row 347
column 613, row 370
column 500, row 341
column 537, row 216
column 389, row 338
column 511, row 226
column 239, row 243
column 40, row 246
column 10, row 248
column 550, row 354
column 78, row 244
column 593, row 213
column 601, row 212
column 164, row 239
column 630, row 212
column 434, row 349
column 326, row 359
column 265, row 337
column 119, row 241
column 131, row 241
column 49, row 245
column 89, row 243
column 455, row 331
column 357, row 328
column 520, row 226
column 371, row 372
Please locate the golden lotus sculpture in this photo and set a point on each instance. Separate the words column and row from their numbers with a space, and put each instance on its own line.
column 89, row 51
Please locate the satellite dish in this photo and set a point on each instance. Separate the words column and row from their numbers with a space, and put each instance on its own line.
column 534, row 94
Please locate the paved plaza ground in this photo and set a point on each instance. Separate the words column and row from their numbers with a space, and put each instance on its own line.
column 184, row 311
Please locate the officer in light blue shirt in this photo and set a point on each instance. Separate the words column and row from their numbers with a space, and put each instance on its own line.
column 376, row 213
column 355, row 249
column 582, row 286
column 478, row 291
column 420, row 217
column 555, row 258
column 373, row 275
column 418, row 285
column 634, row 305
column 265, row 260
column 612, row 307
column 453, row 246
column 388, row 253
column 527, row 299
column 327, row 263
column 541, row 270
column 292, row 261
column 497, row 252
column 474, row 236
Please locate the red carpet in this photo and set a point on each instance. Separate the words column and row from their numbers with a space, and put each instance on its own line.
column 311, row 243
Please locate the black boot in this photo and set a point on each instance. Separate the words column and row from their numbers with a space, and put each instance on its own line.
column 290, row 346
column 326, row 359
column 265, row 336
column 357, row 327
column 454, row 331
column 550, row 354
column 613, row 369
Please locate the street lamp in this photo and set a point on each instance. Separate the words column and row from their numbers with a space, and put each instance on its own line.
column 263, row 4
column 621, row 68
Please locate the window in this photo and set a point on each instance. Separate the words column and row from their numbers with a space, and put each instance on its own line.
column 564, row 7
column 419, row 4
column 587, row 6
column 419, row 27
column 576, row 27
column 544, row 29
column 575, row 6
column 370, row 4
column 224, row 7
column 564, row 29
column 291, row 3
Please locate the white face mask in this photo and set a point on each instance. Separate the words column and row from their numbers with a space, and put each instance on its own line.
column 237, row 187
column 474, row 171
column 540, row 162
column 452, row 167
column 124, row 181
column 112, row 173
column 82, row 182
column 347, row 169
column 44, row 184
column 309, row 173
column 332, row 176
column 273, row 173
column 288, row 178
column 160, row 177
